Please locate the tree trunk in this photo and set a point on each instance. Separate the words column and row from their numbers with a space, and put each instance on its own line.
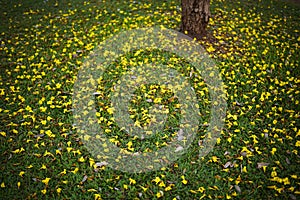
column 195, row 17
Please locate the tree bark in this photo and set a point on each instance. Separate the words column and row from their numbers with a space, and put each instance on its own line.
column 195, row 17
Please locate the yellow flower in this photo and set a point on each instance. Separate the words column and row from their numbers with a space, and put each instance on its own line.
column 46, row 181
column 3, row 134
column 44, row 191
column 169, row 187
column 21, row 173
column 81, row 159
column 286, row 181
column 63, row 172
column 144, row 188
column 162, row 184
column 58, row 190
column 57, row 152
column 16, row 151
column 273, row 173
column 97, row 196
column 159, row 194
column 215, row 159
column 210, row 49
column 110, row 110
column 201, row 189
column 273, row 151
column 193, row 191
column 132, row 181
column 43, row 167
column 228, row 196
column 50, row 134
column 75, row 170
column 156, row 180
column 294, row 176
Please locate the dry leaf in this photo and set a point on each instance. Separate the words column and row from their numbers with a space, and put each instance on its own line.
column 293, row 197
column 266, row 135
column 180, row 135
column 239, row 104
column 232, row 165
column 180, row 148
column 238, row 189
column 227, row 164
column 200, row 142
column 244, row 153
column 100, row 164
column 84, row 178
column 260, row 165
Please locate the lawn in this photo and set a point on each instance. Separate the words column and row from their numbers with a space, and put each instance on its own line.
column 43, row 46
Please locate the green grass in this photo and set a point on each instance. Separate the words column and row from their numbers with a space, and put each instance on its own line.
column 42, row 47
